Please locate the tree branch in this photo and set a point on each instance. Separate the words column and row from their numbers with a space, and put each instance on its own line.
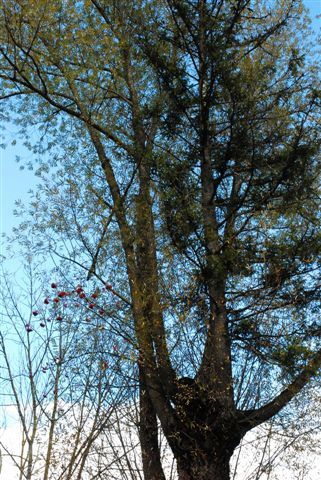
column 254, row 418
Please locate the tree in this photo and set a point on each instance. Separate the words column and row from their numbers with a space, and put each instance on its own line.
column 61, row 393
column 195, row 128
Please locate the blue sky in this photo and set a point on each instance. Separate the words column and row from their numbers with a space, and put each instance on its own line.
column 15, row 183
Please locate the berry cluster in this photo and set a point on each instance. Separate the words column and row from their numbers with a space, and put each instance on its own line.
column 79, row 298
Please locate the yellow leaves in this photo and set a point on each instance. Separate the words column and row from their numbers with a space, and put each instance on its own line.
column 308, row 260
column 88, row 4
column 133, row 356
column 104, row 365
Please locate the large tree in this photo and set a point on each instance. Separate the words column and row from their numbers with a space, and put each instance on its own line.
column 196, row 125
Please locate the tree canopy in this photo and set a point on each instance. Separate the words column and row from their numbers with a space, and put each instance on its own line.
column 185, row 139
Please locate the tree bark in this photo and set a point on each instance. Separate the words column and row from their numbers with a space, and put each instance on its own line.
column 148, row 434
column 209, row 469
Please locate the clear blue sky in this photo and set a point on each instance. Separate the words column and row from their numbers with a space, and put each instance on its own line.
column 15, row 183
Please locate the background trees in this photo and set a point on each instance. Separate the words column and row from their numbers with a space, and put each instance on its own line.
column 66, row 385
column 187, row 141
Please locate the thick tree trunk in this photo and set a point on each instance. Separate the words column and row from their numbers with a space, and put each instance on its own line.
column 208, row 469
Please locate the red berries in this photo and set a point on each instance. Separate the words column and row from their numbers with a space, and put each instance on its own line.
column 28, row 328
column 35, row 313
column 60, row 304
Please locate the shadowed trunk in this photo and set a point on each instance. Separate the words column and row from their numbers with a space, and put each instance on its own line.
column 206, row 436
column 204, row 468
column 148, row 434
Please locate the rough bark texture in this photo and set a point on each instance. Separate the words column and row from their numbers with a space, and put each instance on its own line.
column 207, row 470
column 148, row 435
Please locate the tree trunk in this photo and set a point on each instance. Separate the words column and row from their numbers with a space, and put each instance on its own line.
column 148, row 434
column 208, row 469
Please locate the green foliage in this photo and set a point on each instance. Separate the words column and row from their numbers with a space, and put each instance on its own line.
column 184, row 139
